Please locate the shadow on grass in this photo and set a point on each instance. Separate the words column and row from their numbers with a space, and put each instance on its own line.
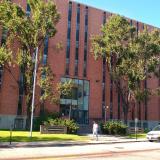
column 33, row 139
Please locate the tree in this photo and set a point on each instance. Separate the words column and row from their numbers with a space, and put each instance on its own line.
column 131, row 58
column 29, row 32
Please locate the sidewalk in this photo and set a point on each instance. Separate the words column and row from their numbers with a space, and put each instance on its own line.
column 102, row 139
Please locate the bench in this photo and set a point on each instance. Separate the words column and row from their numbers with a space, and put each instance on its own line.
column 53, row 129
column 131, row 130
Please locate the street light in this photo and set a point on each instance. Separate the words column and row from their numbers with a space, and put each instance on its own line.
column 105, row 112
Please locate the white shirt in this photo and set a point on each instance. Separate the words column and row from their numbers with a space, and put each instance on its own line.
column 95, row 127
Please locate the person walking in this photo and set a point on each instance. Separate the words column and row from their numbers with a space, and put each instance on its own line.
column 95, row 130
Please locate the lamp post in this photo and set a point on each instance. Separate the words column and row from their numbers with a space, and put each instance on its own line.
column 105, row 112
column 34, row 86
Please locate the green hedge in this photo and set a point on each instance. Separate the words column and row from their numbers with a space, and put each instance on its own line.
column 72, row 127
column 113, row 127
column 45, row 117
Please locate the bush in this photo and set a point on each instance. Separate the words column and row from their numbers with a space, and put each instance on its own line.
column 114, row 127
column 45, row 117
column 72, row 127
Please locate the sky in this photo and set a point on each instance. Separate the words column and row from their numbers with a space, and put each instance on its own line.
column 146, row 11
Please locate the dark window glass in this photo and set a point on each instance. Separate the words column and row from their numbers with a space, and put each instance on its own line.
column 4, row 36
column 104, row 18
column 86, row 17
column 143, row 26
column 86, row 37
column 69, row 34
column 76, row 68
column 137, row 27
column 70, row 12
column 19, row 111
column 85, row 55
column 1, row 71
column 75, row 93
column 67, row 68
column 28, row 10
column 45, row 50
column 103, row 89
column 76, row 54
column 77, row 35
column 131, row 23
column 119, row 100
column 28, row 7
column 85, row 69
column 111, row 95
column 68, row 52
column 78, row 14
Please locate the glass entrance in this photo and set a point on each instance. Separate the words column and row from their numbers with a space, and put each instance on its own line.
column 77, row 105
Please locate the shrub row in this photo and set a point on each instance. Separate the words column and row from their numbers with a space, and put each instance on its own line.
column 72, row 127
column 113, row 127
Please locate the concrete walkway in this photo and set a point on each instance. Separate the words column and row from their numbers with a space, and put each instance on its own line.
column 102, row 139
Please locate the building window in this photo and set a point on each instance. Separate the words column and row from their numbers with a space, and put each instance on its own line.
column 119, row 104
column 68, row 52
column 28, row 10
column 76, row 68
column 70, row 12
column 85, row 43
column 77, row 40
column 21, row 76
column 131, row 22
column 77, row 35
column 104, row 18
column 78, row 14
column 76, row 57
column 137, row 28
column 78, row 102
column 4, row 36
column 68, row 38
column 103, row 76
column 67, row 67
column 111, row 91
column 45, row 54
column 3, row 42
column 1, row 72
column 145, row 101
column 85, row 69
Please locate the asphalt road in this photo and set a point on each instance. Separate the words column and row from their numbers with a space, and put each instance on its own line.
column 118, row 151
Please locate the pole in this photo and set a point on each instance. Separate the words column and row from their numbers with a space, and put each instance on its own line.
column 70, row 108
column 136, row 121
column 105, row 114
column 33, row 95
column 10, row 139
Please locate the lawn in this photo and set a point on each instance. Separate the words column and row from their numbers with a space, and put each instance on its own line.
column 23, row 136
column 139, row 135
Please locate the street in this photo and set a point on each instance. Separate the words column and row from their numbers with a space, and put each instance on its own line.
column 116, row 151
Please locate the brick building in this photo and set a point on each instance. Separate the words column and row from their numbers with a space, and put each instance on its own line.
column 94, row 88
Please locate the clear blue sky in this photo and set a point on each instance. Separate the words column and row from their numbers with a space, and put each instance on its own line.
column 147, row 11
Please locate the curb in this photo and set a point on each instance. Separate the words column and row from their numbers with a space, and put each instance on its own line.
column 60, row 144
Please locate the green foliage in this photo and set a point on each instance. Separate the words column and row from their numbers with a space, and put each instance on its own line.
column 5, row 56
column 114, row 127
column 72, row 127
column 45, row 117
column 29, row 31
column 134, row 56
column 65, row 88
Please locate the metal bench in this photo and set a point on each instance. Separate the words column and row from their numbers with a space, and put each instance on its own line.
column 53, row 129
column 131, row 130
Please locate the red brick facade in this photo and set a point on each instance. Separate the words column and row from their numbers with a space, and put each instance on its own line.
column 57, row 60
